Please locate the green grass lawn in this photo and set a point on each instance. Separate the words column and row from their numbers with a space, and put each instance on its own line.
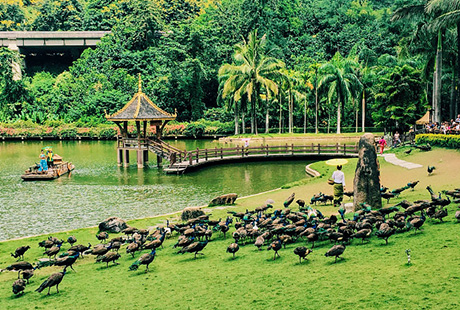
column 370, row 276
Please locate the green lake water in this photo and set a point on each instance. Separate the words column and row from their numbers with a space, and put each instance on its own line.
column 98, row 188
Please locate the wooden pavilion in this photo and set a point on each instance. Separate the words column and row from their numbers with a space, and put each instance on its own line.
column 141, row 110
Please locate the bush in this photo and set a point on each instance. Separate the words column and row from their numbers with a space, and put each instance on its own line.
column 195, row 129
column 108, row 133
column 449, row 141
column 68, row 133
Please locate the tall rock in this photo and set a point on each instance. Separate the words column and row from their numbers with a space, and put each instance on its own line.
column 366, row 185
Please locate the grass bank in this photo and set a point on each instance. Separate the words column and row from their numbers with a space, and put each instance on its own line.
column 371, row 275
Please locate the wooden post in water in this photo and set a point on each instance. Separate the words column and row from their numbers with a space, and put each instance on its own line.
column 140, row 159
column 120, row 157
column 146, row 157
column 126, row 158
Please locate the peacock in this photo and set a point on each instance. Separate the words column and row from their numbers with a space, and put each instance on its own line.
column 233, row 248
column 71, row 240
column 430, row 169
column 53, row 280
column 302, row 252
column 67, row 261
column 19, row 252
column 145, row 259
column 412, row 184
column 109, row 257
column 18, row 286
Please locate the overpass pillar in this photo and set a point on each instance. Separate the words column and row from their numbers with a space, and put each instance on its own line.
column 16, row 67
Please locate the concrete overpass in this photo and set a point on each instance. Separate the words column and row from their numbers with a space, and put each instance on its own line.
column 33, row 43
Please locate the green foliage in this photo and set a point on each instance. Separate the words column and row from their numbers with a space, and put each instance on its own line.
column 194, row 129
column 450, row 141
column 399, row 98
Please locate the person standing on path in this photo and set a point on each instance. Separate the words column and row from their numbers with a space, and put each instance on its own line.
column 382, row 144
column 339, row 185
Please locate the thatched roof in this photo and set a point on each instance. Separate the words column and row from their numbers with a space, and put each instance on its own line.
column 141, row 108
column 425, row 119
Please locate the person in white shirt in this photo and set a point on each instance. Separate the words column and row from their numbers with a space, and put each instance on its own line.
column 339, row 185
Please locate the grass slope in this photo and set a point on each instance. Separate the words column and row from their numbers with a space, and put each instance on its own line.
column 371, row 275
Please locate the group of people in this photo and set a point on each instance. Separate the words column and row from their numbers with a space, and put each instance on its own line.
column 447, row 127
column 46, row 160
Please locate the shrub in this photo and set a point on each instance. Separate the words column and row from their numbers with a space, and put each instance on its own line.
column 107, row 133
column 449, row 141
column 68, row 133
column 195, row 129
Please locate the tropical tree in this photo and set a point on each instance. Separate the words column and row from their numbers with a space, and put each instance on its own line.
column 448, row 16
column 399, row 95
column 251, row 72
column 339, row 77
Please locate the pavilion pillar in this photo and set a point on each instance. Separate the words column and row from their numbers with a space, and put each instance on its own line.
column 159, row 160
column 126, row 158
column 146, row 157
column 140, row 159
column 119, row 157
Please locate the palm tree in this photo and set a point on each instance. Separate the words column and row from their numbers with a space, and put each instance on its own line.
column 306, row 86
column 252, row 71
column 448, row 16
column 339, row 77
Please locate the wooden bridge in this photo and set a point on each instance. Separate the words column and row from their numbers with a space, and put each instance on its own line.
column 181, row 161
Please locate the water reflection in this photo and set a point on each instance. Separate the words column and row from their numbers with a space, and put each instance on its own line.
column 98, row 188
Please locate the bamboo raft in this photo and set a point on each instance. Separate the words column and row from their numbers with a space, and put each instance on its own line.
column 58, row 169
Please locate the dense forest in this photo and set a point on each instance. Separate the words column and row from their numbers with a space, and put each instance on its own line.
column 268, row 64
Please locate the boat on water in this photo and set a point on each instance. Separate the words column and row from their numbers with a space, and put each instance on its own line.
column 58, row 169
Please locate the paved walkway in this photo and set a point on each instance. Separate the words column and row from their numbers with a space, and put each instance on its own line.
column 392, row 159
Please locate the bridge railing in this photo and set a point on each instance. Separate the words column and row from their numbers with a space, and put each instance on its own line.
column 195, row 156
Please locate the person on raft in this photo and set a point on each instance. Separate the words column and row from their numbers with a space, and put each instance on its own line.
column 43, row 164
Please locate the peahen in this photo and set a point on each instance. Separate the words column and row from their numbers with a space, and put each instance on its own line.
column 302, row 252
column 430, row 169
column 385, row 232
column 102, row 236
column 109, row 257
column 18, row 286
column 20, row 252
column 53, row 250
column 145, row 259
column 233, row 248
column 195, row 247
column 27, row 274
column 19, row 266
column 336, row 251
column 53, row 280
column 275, row 246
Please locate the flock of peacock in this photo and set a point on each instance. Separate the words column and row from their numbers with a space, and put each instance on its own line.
column 262, row 227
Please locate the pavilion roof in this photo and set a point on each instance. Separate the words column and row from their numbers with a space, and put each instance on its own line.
column 141, row 108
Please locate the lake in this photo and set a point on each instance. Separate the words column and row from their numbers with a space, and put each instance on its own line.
column 98, row 188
